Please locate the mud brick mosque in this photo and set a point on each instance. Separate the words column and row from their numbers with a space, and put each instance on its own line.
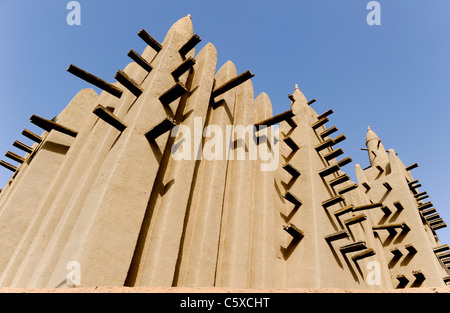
column 100, row 187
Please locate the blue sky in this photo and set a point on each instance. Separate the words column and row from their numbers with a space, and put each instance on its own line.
column 394, row 77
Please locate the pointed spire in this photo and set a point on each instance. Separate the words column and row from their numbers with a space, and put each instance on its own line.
column 264, row 106
column 298, row 101
column 396, row 164
column 376, row 150
column 227, row 69
column 183, row 27
column 360, row 175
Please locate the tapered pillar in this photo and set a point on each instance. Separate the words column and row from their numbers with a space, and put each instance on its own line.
column 158, row 250
column 400, row 223
column 234, row 248
column 103, row 203
column 310, row 259
column 19, row 210
column 263, row 243
column 200, row 246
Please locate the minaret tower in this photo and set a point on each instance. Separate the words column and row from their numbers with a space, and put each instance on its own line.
column 328, row 240
column 406, row 228
column 171, row 177
column 377, row 153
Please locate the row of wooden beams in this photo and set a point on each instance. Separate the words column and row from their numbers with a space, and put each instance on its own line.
column 127, row 81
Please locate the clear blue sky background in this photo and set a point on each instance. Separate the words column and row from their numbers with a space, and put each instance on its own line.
column 394, row 77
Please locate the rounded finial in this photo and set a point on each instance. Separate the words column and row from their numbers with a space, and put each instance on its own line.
column 296, row 86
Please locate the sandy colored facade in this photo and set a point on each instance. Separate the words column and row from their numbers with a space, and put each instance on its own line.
column 265, row 208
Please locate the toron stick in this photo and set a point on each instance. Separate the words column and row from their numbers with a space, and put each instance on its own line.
column 136, row 57
column 232, row 83
column 183, row 68
column 49, row 125
column 22, row 146
column 173, row 93
column 8, row 166
column 149, row 40
column 164, row 126
column 94, row 80
column 276, row 119
column 188, row 46
column 128, row 83
column 32, row 136
column 14, row 157
column 109, row 118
